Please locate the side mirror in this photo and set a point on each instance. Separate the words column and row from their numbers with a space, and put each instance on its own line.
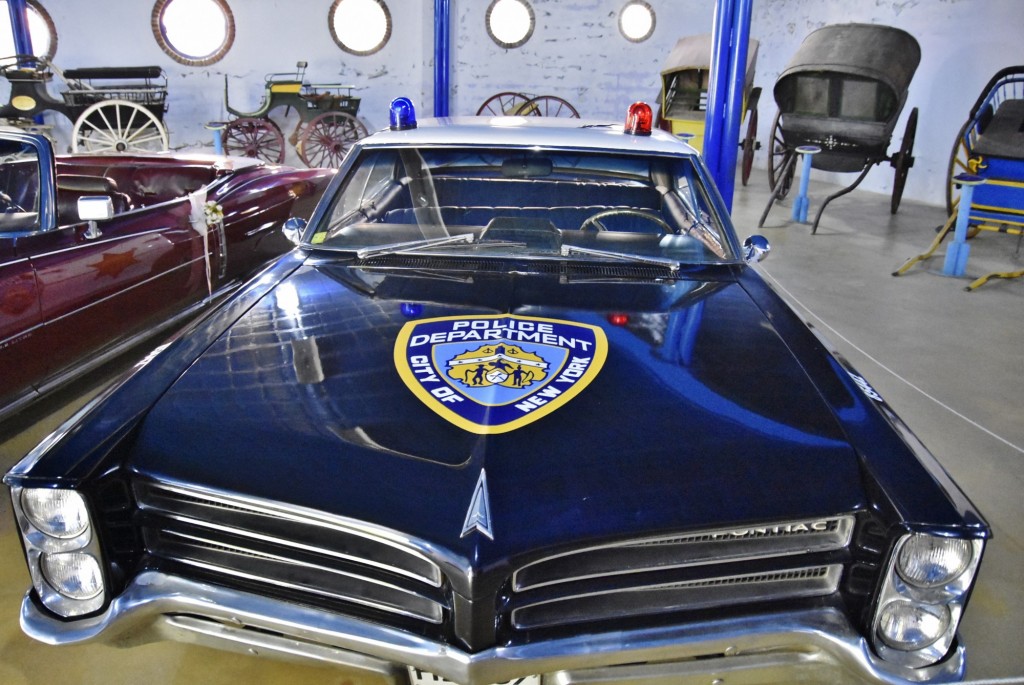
column 93, row 208
column 293, row 229
column 755, row 249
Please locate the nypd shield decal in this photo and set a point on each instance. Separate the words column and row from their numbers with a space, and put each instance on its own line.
column 493, row 374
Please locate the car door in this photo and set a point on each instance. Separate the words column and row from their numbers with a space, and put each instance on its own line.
column 21, row 362
column 102, row 287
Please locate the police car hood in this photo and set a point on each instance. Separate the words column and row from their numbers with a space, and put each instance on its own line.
column 515, row 411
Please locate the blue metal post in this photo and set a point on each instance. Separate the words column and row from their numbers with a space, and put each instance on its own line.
column 801, row 203
column 958, row 251
column 19, row 26
column 442, row 56
column 730, row 41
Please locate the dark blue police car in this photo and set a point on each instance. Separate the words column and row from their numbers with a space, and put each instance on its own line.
column 516, row 408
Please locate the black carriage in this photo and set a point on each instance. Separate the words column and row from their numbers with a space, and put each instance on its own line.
column 112, row 109
column 843, row 92
column 327, row 125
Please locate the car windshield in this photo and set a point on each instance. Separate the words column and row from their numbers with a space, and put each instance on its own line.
column 525, row 203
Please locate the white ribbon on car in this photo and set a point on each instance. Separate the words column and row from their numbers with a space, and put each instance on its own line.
column 197, row 217
column 203, row 216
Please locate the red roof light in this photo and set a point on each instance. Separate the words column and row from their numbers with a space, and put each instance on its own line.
column 639, row 119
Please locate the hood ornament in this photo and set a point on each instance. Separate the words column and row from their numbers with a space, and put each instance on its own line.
column 478, row 517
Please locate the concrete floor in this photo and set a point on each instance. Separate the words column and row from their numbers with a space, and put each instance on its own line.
column 950, row 362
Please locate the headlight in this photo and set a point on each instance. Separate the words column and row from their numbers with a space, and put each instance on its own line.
column 61, row 548
column 76, row 575
column 908, row 626
column 922, row 597
column 928, row 561
column 57, row 513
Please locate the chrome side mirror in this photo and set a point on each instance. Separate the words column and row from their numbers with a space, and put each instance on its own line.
column 755, row 249
column 293, row 229
column 93, row 208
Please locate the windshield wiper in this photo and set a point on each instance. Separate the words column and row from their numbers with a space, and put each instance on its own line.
column 671, row 264
column 413, row 245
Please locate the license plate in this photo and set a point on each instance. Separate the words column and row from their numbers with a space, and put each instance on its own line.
column 420, row 677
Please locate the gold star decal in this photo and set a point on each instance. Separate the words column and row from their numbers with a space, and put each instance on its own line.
column 113, row 264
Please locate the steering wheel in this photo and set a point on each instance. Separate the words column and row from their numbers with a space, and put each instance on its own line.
column 594, row 221
column 7, row 204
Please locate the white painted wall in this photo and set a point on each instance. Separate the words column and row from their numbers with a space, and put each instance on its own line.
column 576, row 52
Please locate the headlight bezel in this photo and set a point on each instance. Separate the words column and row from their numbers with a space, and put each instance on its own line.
column 43, row 549
column 947, row 598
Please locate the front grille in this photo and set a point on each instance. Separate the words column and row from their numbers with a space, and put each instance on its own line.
column 686, row 595
column 290, row 551
column 700, row 570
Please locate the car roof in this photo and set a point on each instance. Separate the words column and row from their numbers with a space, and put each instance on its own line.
column 516, row 131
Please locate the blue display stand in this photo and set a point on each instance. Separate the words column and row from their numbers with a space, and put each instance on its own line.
column 959, row 250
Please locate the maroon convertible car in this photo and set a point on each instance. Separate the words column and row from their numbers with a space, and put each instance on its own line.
column 97, row 252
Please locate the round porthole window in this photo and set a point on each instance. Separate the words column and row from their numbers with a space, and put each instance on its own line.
column 194, row 32
column 40, row 29
column 361, row 27
column 636, row 21
column 510, row 22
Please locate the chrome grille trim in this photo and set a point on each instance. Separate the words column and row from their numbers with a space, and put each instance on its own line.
column 810, row 581
column 347, row 586
column 253, row 518
column 698, row 548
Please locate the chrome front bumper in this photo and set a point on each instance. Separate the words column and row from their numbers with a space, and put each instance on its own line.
column 817, row 645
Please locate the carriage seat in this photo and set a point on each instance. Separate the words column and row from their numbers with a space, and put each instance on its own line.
column 71, row 187
column 1003, row 135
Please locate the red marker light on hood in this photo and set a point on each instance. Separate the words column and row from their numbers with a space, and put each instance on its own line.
column 639, row 119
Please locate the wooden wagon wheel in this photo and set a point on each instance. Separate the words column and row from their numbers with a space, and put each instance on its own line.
column 749, row 145
column 958, row 164
column 328, row 138
column 548, row 106
column 118, row 126
column 903, row 161
column 254, row 137
column 502, row 104
column 776, row 160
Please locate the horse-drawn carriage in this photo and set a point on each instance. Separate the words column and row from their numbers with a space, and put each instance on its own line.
column 113, row 109
column 683, row 106
column 842, row 93
column 988, row 155
column 327, row 125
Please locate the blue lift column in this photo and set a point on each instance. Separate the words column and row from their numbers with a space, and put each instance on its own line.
column 442, row 56
column 19, row 26
column 730, row 37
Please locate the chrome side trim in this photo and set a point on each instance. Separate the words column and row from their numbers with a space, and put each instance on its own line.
column 819, row 638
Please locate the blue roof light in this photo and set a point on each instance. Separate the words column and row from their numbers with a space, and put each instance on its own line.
column 403, row 114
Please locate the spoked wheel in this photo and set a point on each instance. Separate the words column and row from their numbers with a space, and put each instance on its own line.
column 327, row 139
column 548, row 106
column 903, row 161
column 777, row 158
column 118, row 126
column 502, row 104
column 958, row 164
column 749, row 145
column 958, row 159
column 257, row 138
